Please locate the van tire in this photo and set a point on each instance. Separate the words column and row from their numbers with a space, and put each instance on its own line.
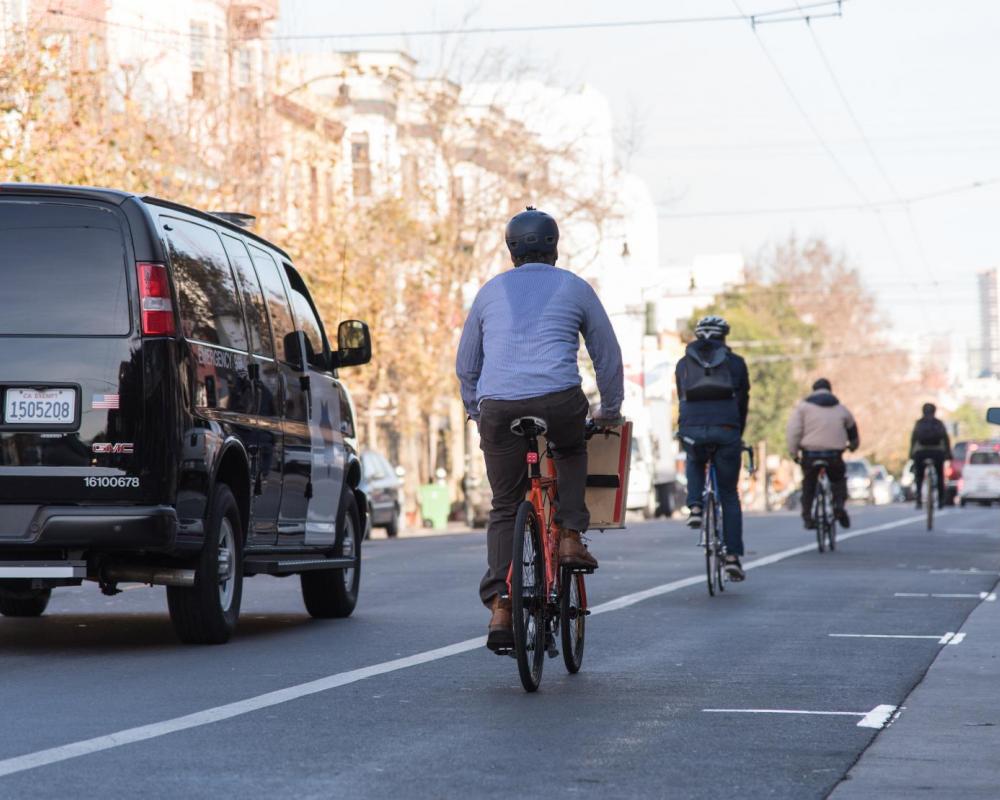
column 206, row 613
column 27, row 603
column 333, row 593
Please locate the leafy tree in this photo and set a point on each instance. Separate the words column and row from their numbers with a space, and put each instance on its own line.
column 970, row 423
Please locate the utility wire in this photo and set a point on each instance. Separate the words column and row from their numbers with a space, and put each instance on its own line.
column 826, row 146
column 786, row 14
column 871, row 150
column 901, row 202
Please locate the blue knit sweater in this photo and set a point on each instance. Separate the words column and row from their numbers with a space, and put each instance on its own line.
column 522, row 337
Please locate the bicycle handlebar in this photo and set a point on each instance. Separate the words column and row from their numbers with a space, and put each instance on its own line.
column 604, row 426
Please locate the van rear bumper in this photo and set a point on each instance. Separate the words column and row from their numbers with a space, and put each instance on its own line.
column 105, row 528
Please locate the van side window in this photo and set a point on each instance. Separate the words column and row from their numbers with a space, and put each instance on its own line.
column 253, row 296
column 206, row 289
column 307, row 322
column 277, row 303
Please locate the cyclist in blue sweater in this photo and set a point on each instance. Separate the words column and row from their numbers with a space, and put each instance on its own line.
column 518, row 357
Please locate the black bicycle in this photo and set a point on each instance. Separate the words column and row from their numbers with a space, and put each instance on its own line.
column 712, row 539
column 823, row 514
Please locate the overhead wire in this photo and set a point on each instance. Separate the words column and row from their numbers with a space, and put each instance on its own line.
column 901, row 202
column 870, row 148
column 785, row 14
column 824, row 144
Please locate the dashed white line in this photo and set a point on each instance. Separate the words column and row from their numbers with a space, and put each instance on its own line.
column 154, row 730
column 876, row 718
column 946, row 638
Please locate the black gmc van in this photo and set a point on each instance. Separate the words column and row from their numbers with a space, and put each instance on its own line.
column 170, row 411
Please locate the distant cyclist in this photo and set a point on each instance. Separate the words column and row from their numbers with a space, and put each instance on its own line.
column 713, row 385
column 929, row 440
column 822, row 428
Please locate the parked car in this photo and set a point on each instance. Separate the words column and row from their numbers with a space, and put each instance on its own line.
column 883, row 486
column 980, row 475
column 859, row 480
column 172, row 411
column 907, row 482
column 641, row 495
column 953, row 470
column 382, row 486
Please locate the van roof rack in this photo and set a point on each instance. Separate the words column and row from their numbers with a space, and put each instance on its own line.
column 236, row 218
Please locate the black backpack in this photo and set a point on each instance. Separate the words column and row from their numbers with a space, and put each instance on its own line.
column 706, row 374
column 929, row 431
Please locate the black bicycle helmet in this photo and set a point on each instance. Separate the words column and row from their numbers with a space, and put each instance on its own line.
column 531, row 231
column 711, row 327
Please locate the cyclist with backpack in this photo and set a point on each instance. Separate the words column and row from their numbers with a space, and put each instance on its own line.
column 929, row 440
column 822, row 428
column 713, row 385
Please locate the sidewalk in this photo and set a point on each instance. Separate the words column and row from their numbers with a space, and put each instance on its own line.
column 946, row 742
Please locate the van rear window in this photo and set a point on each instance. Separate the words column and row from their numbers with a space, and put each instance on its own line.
column 983, row 457
column 62, row 271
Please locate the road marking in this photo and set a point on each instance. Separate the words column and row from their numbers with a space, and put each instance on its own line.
column 947, row 638
column 970, row 571
column 876, row 718
column 238, row 708
column 989, row 597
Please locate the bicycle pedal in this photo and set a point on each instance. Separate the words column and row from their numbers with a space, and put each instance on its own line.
column 504, row 651
column 582, row 570
column 552, row 652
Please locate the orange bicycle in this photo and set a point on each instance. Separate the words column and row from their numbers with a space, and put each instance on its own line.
column 544, row 596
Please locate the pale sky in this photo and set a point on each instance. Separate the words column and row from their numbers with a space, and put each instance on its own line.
column 718, row 131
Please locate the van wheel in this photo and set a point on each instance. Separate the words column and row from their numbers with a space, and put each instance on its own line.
column 206, row 613
column 330, row 593
column 392, row 529
column 24, row 603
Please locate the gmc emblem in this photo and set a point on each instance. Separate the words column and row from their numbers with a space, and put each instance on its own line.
column 113, row 448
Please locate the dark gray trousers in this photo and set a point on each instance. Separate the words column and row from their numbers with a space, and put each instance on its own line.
column 507, row 470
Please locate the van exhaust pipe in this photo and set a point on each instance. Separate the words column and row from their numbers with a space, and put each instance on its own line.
column 158, row 576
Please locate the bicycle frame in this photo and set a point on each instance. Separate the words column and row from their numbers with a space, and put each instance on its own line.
column 542, row 495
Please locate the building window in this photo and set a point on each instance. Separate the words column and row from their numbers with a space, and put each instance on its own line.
column 199, row 46
column 244, row 66
column 361, row 166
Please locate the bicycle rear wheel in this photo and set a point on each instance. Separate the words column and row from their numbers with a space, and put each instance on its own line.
column 708, row 537
column 929, row 501
column 527, row 594
column 720, row 548
column 819, row 518
column 572, row 620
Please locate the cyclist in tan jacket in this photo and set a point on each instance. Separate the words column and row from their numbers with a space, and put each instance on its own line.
column 822, row 429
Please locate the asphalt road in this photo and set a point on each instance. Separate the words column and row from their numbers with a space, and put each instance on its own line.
column 101, row 700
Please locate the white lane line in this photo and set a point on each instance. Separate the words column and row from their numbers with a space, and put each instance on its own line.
column 153, row 730
column 946, row 638
column 969, row 571
column 876, row 718
column 989, row 597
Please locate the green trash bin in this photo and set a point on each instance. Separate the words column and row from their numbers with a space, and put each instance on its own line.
column 434, row 505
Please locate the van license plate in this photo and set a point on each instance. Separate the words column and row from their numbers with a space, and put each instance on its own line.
column 39, row 407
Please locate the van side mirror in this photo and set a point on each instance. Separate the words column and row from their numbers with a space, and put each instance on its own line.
column 354, row 344
column 993, row 415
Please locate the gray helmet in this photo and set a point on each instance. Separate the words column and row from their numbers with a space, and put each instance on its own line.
column 711, row 327
column 531, row 231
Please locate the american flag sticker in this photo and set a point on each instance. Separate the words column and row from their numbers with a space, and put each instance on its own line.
column 109, row 401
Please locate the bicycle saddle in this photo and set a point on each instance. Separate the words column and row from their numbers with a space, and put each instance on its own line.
column 529, row 426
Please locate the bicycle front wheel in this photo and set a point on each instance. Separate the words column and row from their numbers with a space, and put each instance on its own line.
column 527, row 594
column 572, row 620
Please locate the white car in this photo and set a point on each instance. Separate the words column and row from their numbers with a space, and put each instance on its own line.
column 980, row 481
column 641, row 492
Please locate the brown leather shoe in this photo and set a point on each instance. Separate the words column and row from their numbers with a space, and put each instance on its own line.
column 501, row 630
column 573, row 552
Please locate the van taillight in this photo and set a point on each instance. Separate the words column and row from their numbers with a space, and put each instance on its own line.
column 154, row 295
